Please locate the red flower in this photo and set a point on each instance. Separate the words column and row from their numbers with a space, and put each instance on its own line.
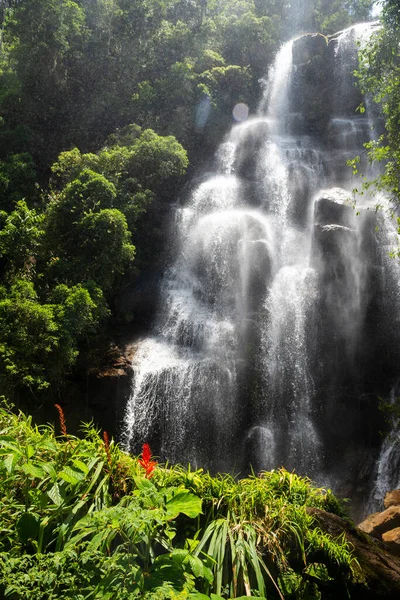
column 146, row 462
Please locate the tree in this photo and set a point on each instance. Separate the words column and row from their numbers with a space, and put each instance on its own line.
column 20, row 239
column 333, row 15
column 143, row 161
column 379, row 76
column 103, row 248
column 18, row 179
column 39, row 341
column 44, row 41
column 87, row 239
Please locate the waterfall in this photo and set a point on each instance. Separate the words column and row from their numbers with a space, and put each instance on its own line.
column 386, row 474
column 275, row 316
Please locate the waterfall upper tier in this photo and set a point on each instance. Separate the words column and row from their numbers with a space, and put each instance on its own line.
column 274, row 336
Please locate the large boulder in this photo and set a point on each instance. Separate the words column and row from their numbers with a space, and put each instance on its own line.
column 379, row 523
column 334, row 207
column 309, row 84
column 334, row 242
column 307, row 47
column 392, row 540
column 109, row 387
column 380, row 568
column 335, row 238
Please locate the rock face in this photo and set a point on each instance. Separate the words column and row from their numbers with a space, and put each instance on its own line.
column 392, row 498
column 381, row 522
column 308, row 47
column 309, row 85
column 392, row 540
column 109, row 387
column 380, row 568
column 385, row 525
column 263, row 352
column 334, row 206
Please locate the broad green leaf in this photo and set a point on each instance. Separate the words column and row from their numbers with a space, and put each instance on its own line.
column 73, row 542
column 49, row 445
column 178, row 556
column 143, row 484
column 71, row 475
column 32, row 470
column 49, row 468
column 183, row 502
column 55, row 495
column 318, row 571
column 10, row 461
column 79, row 464
column 199, row 569
column 103, row 537
column 28, row 527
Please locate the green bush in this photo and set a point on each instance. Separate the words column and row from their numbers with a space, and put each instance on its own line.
column 81, row 519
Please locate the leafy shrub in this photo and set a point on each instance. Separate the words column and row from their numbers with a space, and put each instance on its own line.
column 82, row 519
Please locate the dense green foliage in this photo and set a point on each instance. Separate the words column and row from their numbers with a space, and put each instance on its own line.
column 61, row 261
column 333, row 15
column 72, row 72
column 101, row 103
column 80, row 519
column 379, row 76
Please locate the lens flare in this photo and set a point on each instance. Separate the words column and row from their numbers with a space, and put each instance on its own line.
column 240, row 112
column 202, row 112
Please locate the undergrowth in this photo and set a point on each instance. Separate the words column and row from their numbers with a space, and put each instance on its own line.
column 81, row 519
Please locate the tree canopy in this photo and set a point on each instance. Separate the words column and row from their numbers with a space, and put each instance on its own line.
column 379, row 77
column 102, row 105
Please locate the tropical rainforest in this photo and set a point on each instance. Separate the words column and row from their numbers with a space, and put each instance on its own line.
column 103, row 106
column 81, row 519
column 106, row 108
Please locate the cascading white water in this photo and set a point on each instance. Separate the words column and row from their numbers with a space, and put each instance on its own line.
column 386, row 474
column 387, row 469
column 356, row 129
column 287, row 161
column 264, row 331
column 187, row 374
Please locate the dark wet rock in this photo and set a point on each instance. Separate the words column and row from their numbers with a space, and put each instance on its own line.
column 138, row 299
column 308, row 47
column 300, row 188
column 309, row 83
column 295, row 124
column 109, row 387
column 349, row 134
column 334, row 207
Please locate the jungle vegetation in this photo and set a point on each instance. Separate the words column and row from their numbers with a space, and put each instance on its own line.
column 103, row 105
column 80, row 519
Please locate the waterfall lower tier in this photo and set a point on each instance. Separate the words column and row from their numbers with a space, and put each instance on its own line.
column 275, row 335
